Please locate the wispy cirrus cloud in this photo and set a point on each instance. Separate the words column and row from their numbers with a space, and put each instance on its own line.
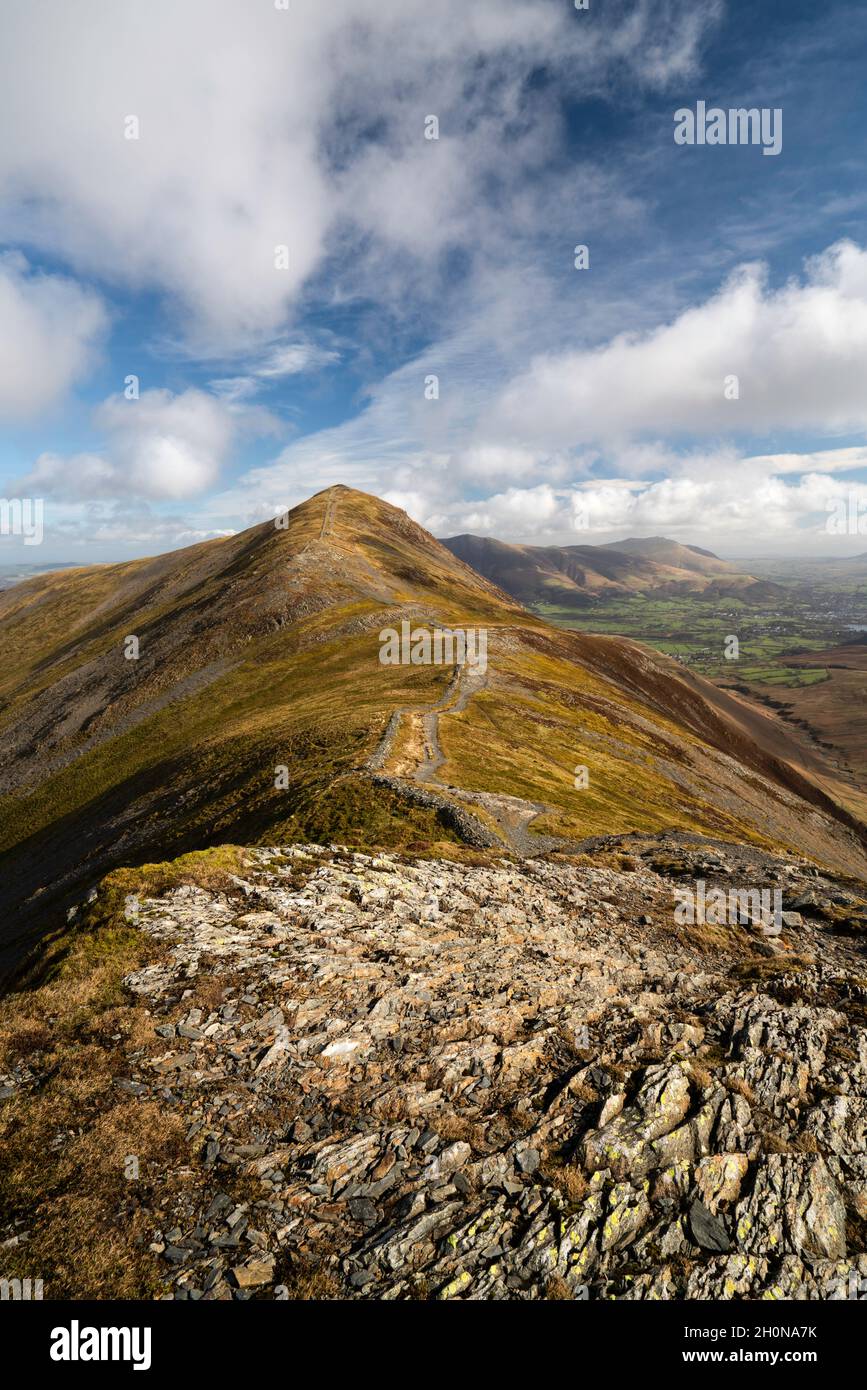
column 282, row 359
column 301, row 128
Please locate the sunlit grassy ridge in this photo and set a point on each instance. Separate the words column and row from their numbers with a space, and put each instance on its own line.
column 256, row 652
column 205, row 770
column 261, row 651
column 542, row 720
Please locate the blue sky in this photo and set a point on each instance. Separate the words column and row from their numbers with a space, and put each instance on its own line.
column 573, row 406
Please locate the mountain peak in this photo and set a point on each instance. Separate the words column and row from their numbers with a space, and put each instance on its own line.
column 664, row 551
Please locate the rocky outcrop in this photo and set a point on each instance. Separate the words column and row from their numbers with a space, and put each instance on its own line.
column 425, row 1079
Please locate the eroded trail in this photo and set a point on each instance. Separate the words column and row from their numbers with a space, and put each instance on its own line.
column 328, row 515
column 419, row 762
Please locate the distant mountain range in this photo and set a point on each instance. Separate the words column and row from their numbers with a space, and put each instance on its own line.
column 564, row 576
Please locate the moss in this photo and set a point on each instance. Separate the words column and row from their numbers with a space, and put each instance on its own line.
column 361, row 814
column 102, row 942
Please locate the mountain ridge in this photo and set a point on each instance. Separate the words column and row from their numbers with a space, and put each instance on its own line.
column 260, row 652
column 652, row 566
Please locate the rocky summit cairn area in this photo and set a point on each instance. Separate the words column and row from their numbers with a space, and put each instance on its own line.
column 404, row 1078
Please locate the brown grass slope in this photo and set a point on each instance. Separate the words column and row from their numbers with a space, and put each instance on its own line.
column 261, row 650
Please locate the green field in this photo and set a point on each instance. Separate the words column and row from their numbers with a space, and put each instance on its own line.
column 812, row 614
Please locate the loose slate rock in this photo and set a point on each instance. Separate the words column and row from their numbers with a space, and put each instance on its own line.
column 571, row 1079
column 707, row 1229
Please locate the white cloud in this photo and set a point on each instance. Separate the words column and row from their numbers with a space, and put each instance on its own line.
column 739, row 509
column 81, row 475
column 164, row 445
column 528, row 511
column 49, row 331
column 260, row 127
column 461, row 463
column 107, row 526
column 281, row 360
column 823, row 461
column 235, row 389
column 293, row 359
column 797, row 352
column 159, row 446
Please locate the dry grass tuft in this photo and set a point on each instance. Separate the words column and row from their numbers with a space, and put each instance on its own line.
column 558, row 1291
column 568, row 1179
column 741, row 1087
column 65, row 1142
column 456, row 1127
column 308, row 1282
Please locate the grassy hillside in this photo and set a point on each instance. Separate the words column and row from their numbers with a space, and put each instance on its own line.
column 260, row 653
